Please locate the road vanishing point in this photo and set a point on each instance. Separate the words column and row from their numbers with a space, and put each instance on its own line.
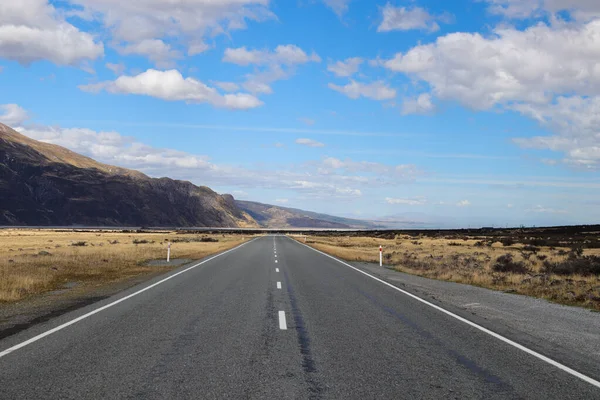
column 275, row 319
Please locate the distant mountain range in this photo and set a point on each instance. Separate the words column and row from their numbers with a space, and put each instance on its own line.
column 47, row 185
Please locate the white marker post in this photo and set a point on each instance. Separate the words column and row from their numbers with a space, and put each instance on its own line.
column 380, row 256
column 169, row 252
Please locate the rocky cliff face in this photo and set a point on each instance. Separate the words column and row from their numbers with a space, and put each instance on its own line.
column 43, row 184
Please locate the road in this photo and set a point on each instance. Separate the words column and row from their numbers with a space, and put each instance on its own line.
column 216, row 330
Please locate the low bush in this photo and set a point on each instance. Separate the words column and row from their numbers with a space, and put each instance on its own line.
column 586, row 266
column 506, row 263
column 507, row 241
column 79, row 244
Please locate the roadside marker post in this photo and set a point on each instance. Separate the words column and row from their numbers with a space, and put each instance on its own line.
column 380, row 256
column 169, row 252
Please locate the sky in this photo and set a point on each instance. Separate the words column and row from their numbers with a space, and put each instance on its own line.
column 461, row 113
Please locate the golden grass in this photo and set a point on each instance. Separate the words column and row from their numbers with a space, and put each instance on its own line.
column 465, row 262
column 36, row 261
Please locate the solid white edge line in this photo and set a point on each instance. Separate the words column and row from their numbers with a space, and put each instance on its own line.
column 542, row 357
column 278, row 285
column 114, row 303
column 282, row 322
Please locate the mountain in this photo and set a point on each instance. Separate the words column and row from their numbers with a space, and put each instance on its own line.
column 282, row 217
column 45, row 184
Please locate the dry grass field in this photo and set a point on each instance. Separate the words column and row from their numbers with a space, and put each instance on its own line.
column 560, row 274
column 36, row 261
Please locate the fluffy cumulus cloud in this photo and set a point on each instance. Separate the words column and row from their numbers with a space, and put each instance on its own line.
column 270, row 66
column 463, row 203
column 192, row 21
column 172, row 86
column 345, row 68
column 309, row 142
column 33, row 30
column 549, row 72
column 12, row 114
column 377, row 90
column 404, row 19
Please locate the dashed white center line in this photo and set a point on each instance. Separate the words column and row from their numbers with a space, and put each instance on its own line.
column 282, row 323
column 276, row 269
column 278, row 285
column 276, row 261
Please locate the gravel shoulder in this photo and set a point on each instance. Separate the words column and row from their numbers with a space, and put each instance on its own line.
column 570, row 333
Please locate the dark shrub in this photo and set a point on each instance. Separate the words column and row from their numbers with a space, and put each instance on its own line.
column 454, row 244
column 142, row 241
column 507, row 241
column 79, row 244
column 506, row 263
column 588, row 265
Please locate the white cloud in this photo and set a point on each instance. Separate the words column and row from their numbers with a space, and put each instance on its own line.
column 172, row 86
column 282, row 55
column 190, row 21
column 157, row 51
column 340, row 7
column 117, row 69
column 576, row 120
column 282, row 201
column 376, row 90
column 13, row 114
column 509, row 206
column 346, row 68
column 404, row 19
column 228, row 86
column 33, row 30
column 579, row 9
column 197, row 47
column 463, row 203
column 309, row 142
column 510, row 66
column 275, row 65
column 279, row 145
column 422, row 104
column 415, row 201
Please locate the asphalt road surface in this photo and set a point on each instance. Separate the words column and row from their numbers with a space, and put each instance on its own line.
column 274, row 319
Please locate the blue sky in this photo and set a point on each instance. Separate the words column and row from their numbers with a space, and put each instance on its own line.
column 462, row 113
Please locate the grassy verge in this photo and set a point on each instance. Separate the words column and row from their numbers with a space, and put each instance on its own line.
column 37, row 261
column 563, row 275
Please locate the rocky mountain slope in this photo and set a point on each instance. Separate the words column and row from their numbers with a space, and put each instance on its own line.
column 44, row 184
column 284, row 217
